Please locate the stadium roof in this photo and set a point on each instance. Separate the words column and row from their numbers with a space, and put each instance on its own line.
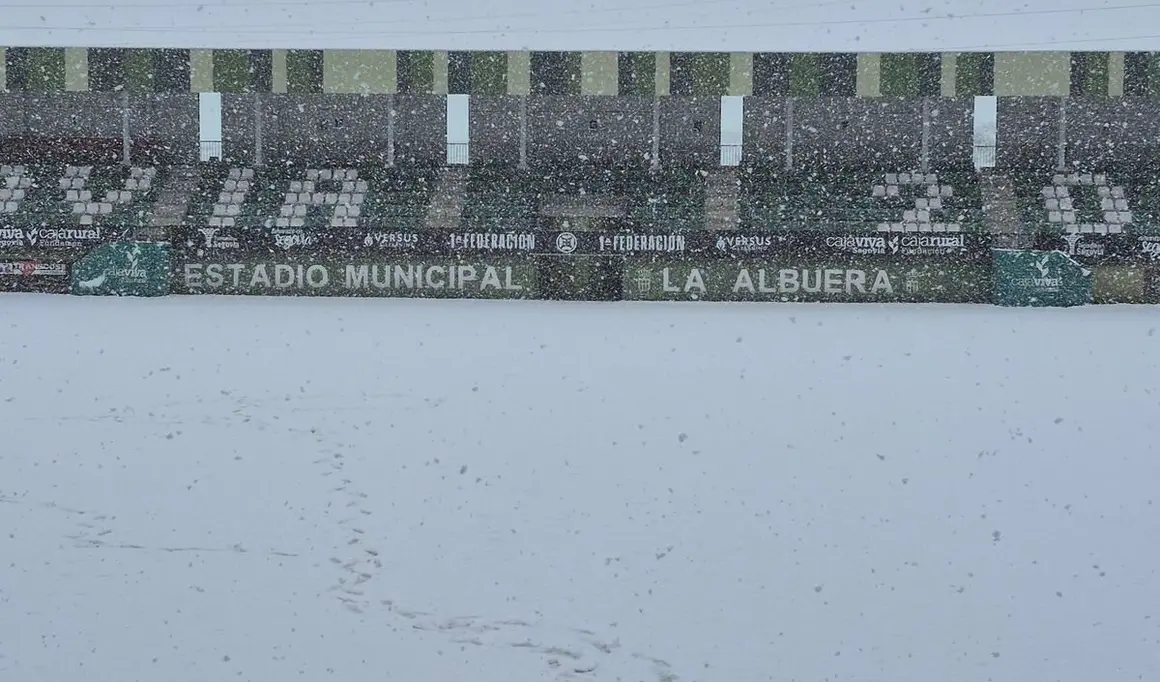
column 623, row 25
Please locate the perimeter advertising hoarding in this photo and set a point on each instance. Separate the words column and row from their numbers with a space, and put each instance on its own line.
column 1125, row 267
column 302, row 275
column 703, row 243
column 790, row 279
column 42, row 276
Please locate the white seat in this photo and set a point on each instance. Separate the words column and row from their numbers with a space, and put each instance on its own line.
column 287, row 210
column 112, row 195
column 338, row 222
column 150, row 172
column 225, row 197
column 6, row 194
column 233, row 210
column 78, row 208
column 1100, row 179
column 65, row 183
column 954, row 227
column 309, row 187
column 331, row 198
column 892, row 190
column 125, row 196
column 340, row 211
column 903, row 178
column 282, row 222
column 291, row 198
column 18, row 170
column 317, row 198
column 78, row 183
column 1054, row 217
column 135, row 172
column 922, row 203
column 1104, row 192
column 86, row 219
column 353, row 211
column 357, row 198
column 1085, row 179
column 243, row 186
column 1068, row 216
column 231, row 185
column 92, row 207
column 878, row 191
column 247, row 174
column 311, row 173
column 348, row 186
column 295, row 186
column 219, row 209
column 228, row 221
column 935, row 203
column 910, row 215
column 297, row 222
column 71, row 195
column 1065, row 204
column 85, row 171
column 360, row 186
column 1118, row 193
column 105, row 208
column 145, row 183
column 237, row 197
column 923, row 215
column 300, row 210
column 132, row 183
column 1115, row 229
column 216, row 221
column 10, row 207
column 71, row 171
column 883, row 227
column 5, row 169
column 325, row 174
column 931, row 179
column 23, row 183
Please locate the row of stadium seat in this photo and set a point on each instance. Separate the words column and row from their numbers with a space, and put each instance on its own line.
column 83, row 195
column 503, row 198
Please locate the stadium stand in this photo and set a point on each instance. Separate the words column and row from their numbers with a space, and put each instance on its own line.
column 888, row 202
column 507, row 198
column 1088, row 203
column 110, row 195
column 496, row 197
column 310, row 198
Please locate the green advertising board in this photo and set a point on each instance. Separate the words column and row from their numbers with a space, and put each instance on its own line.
column 414, row 277
column 122, row 269
column 1040, row 278
column 862, row 280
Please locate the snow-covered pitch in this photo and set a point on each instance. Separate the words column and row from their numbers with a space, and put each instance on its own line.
column 198, row 489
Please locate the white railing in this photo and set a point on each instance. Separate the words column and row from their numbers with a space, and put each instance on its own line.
column 730, row 155
column 211, row 149
column 984, row 155
column 458, row 153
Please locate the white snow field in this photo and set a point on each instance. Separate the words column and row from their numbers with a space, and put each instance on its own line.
column 205, row 489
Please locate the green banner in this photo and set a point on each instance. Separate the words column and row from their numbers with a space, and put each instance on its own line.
column 402, row 277
column 1040, row 278
column 860, row 281
column 122, row 269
